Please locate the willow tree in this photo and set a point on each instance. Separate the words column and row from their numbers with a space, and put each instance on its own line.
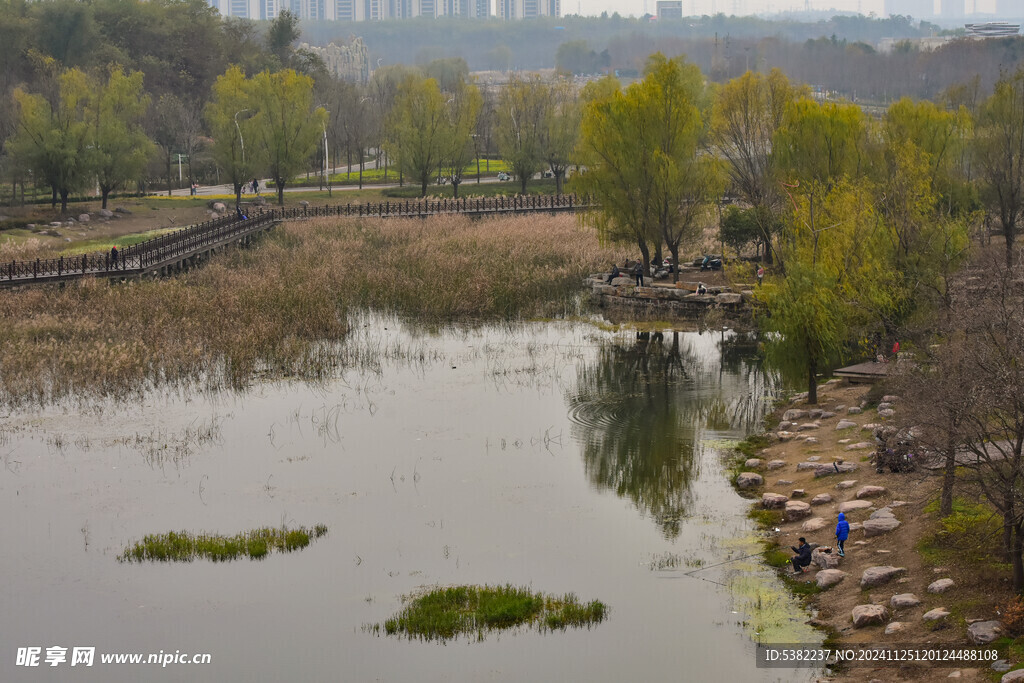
column 999, row 155
column 416, row 128
column 830, row 238
column 230, row 114
column 747, row 113
column 462, row 109
column 288, row 127
column 121, row 148
column 54, row 138
column 523, row 107
column 640, row 150
column 561, row 130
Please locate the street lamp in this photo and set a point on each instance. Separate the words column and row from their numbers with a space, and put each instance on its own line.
column 240, row 140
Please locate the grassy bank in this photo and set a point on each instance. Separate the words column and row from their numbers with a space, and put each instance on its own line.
column 444, row 613
column 278, row 308
column 183, row 546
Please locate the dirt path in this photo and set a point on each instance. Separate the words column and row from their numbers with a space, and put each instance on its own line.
column 906, row 495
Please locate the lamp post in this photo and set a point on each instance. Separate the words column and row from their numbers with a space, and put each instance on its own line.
column 241, row 141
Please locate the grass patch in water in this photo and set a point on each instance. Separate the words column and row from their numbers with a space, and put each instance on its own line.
column 444, row 613
column 182, row 546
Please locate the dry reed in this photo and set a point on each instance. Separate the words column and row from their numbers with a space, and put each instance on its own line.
column 280, row 308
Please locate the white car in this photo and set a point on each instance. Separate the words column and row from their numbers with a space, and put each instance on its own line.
column 504, row 176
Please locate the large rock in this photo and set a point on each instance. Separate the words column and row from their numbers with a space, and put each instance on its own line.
column 747, row 480
column 824, row 560
column 853, row 410
column 729, row 298
column 1012, row 676
column 773, row 500
column 105, row 213
column 854, row 505
column 821, row 499
column 776, row 464
column 797, row 509
column 936, row 614
column 845, row 424
column 870, row 491
column 753, row 463
column 793, row 414
column 886, row 412
column 798, row 493
column 219, row 207
column 84, row 218
column 807, row 426
column 984, row 632
column 877, row 576
column 829, row 577
column 940, row 586
column 122, row 210
column 865, row 615
column 835, row 468
column 846, row 484
column 904, row 600
column 890, row 398
column 894, row 627
column 621, row 280
column 801, row 466
column 259, row 201
column 860, row 446
column 877, row 527
column 814, row 524
column 884, row 405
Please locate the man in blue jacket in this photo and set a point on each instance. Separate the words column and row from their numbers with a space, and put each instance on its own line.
column 803, row 556
column 842, row 533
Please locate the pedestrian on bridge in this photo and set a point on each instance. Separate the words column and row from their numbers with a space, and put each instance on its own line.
column 113, row 256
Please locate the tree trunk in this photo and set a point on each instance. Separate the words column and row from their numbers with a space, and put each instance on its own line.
column 423, row 184
column 559, row 175
column 168, row 173
column 455, row 187
column 280, row 191
column 1008, row 536
column 1018, row 557
column 645, row 254
column 948, row 479
column 1009, row 231
column 674, row 250
column 53, row 198
column 238, row 194
column 360, row 169
column 63, row 201
column 812, row 381
column 522, row 182
column 104, row 193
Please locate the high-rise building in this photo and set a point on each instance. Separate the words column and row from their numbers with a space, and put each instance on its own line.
column 670, row 9
column 952, row 9
column 911, row 8
column 481, row 8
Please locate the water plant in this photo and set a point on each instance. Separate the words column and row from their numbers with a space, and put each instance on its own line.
column 282, row 308
column 182, row 546
column 444, row 613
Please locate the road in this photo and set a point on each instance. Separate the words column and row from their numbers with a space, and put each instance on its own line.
column 270, row 193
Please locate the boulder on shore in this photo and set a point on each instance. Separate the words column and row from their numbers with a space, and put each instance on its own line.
column 870, row 491
column 877, row 576
column 746, row 480
column 829, row 577
column 771, row 501
column 984, row 632
column 936, row 614
column 865, row 615
column 797, row 509
column 904, row 600
column 940, row 586
column 851, row 505
column 821, row 499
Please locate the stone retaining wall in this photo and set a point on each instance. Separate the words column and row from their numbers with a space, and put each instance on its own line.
column 678, row 302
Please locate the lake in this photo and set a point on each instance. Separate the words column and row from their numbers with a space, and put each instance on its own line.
column 564, row 456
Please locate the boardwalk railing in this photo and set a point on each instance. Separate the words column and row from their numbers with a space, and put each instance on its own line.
column 173, row 247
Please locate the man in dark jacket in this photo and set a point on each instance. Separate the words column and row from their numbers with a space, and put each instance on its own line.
column 638, row 271
column 803, row 556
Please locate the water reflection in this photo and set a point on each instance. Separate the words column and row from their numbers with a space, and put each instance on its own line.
column 640, row 406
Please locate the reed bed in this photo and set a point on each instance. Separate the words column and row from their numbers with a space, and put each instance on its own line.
column 182, row 546
column 280, row 308
column 444, row 613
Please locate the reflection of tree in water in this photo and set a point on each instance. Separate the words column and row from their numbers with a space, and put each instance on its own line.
column 638, row 409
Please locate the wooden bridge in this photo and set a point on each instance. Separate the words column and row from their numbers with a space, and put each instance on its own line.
column 185, row 247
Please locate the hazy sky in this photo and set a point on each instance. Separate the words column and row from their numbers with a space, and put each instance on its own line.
column 692, row 7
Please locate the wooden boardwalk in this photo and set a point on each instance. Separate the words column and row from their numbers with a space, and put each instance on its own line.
column 175, row 250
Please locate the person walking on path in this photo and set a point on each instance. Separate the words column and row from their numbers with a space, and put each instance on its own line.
column 113, row 256
column 760, row 275
column 638, row 271
column 842, row 533
column 256, row 187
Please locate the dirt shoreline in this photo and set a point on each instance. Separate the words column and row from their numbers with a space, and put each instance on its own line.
column 906, row 495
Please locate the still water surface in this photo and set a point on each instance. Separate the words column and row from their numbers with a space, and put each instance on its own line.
column 554, row 455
